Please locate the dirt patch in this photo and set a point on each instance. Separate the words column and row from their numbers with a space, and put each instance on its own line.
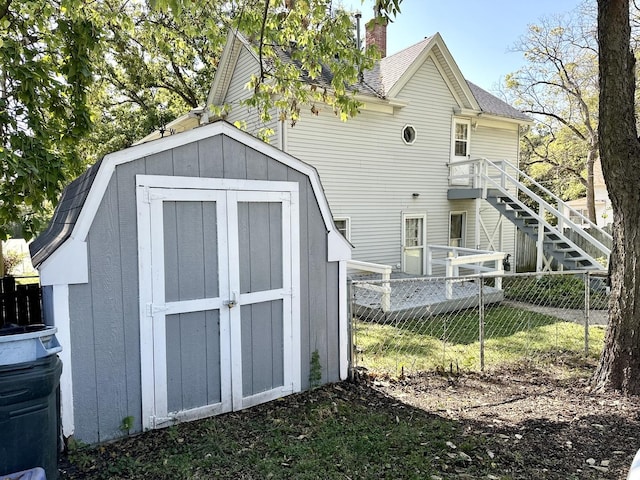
column 539, row 423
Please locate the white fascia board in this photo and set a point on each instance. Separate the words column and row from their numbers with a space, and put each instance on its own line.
column 455, row 78
column 226, row 67
column 376, row 107
column 180, row 124
column 111, row 161
column 458, row 77
column 451, row 86
column 496, row 120
column 343, row 321
column 411, row 70
column 467, row 112
column 67, row 265
column 382, row 105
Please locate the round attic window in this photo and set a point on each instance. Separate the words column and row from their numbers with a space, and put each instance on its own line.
column 408, row 134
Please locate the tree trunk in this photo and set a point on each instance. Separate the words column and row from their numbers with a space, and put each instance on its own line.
column 619, row 366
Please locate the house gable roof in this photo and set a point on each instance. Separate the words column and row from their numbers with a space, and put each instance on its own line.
column 226, row 66
column 397, row 69
column 386, row 79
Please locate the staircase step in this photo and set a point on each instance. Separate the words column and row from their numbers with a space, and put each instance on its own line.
column 565, row 249
column 556, row 241
column 556, row 245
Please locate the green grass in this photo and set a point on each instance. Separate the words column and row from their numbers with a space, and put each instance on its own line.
column 331, row 432
column 561, row 291
column 452, row 340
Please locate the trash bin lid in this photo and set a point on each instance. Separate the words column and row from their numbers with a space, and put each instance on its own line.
column 29, row 345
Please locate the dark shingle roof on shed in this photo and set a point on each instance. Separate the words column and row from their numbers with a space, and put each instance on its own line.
column 64, row 217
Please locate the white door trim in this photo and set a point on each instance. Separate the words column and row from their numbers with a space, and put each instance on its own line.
column 151, row 191
column 411, row 215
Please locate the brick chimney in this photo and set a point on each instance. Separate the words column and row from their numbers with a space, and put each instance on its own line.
column 377, row 32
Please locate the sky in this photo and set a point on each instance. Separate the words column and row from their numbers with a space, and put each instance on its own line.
column 478, row 33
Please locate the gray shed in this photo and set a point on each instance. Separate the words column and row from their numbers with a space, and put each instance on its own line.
column 191, row 276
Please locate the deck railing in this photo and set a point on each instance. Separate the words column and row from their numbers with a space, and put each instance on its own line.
column 384, row 288
column 503, row 176
column 468, row 259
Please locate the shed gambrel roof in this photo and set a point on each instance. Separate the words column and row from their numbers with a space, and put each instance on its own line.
column 81, row 198
column 386, row 79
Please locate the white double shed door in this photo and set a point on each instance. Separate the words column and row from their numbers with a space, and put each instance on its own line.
column 219, row 321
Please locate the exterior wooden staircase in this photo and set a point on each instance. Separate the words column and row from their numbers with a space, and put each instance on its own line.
column 539, row 214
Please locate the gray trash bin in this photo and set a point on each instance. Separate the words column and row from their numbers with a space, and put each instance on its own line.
column 29, row 402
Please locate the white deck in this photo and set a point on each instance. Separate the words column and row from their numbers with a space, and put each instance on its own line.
column 420, row 298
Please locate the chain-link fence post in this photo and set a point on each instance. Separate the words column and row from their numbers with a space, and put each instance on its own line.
column 351, row 329
column 481, row 321
column 587, row 310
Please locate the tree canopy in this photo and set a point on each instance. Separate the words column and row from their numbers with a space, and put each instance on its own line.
column 558, row 86
column 45, row 74
column 82, row 78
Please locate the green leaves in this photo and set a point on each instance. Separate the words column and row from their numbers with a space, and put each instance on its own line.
column 321, row 62
column 45, row 72
column 82, row 78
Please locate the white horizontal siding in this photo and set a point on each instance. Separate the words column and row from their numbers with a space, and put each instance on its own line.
column 495, row 143
column 369, row 174
column 246, row 66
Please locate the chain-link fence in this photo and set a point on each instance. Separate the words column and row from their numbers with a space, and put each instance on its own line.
column 404, row 325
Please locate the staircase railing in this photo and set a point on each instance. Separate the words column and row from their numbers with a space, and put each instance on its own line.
column 485, row 174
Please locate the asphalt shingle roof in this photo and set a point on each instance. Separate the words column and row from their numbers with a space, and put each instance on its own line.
column 391, row 68
column 379, row 80
column 493, row 105
column 64, row 217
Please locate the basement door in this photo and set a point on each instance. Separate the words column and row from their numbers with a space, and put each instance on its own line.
column 218, row 326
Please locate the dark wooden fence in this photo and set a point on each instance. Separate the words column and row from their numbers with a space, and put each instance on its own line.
column 19, row 304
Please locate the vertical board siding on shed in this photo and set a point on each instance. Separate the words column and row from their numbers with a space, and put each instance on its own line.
column 104, row 313
column 107, row 304
column 262, row 347
column 130, row 308
column 193, row 360
column 83, row 358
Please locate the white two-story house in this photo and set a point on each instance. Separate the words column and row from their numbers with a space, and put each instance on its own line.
column 386, row 172
column 431, row 159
